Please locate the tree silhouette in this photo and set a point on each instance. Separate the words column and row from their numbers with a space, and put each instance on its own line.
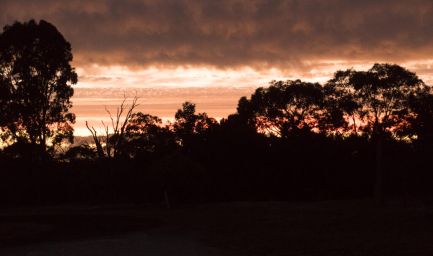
column 35, row 82
column 116, row 138
column 185, row 119
column 421, row 123
column 342, row 112
column 189, row 125
column 146, row 134
column 382, row 96
column 284, row 107
column 379, row 96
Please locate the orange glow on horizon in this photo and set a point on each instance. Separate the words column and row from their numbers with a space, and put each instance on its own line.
column 163, row 89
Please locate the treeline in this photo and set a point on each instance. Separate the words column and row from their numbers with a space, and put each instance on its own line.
column 290, row 141
column 361, row 134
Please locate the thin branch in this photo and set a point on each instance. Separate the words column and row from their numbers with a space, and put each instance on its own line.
column 96, row 140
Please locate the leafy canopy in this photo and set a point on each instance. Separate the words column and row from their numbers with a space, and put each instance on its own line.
column 36, row 81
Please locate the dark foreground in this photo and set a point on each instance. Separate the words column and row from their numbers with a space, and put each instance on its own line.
column 244, row 228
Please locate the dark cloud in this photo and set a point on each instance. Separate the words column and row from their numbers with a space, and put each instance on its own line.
column 228, row 34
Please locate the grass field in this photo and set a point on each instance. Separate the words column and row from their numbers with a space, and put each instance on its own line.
column 242, row 228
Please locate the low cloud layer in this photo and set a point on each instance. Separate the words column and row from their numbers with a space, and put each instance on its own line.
column 232, row 34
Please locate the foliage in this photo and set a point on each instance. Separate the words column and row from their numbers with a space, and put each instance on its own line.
column 35, row 84
column 189, row 125
column 146, row 135
column 284, row 107
column 377, row 99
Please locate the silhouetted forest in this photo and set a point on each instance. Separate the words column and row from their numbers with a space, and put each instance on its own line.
column 361, row 134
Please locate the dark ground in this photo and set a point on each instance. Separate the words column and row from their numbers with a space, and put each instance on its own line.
column 243, row 228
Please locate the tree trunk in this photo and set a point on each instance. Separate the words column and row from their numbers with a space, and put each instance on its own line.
column 378, row 187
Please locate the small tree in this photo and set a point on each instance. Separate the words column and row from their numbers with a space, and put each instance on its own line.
column 146, row 134
column 189, row 125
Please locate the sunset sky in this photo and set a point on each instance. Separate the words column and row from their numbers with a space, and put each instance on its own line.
column 213, row 52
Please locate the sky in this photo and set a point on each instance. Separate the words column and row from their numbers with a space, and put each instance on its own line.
column 212, row 52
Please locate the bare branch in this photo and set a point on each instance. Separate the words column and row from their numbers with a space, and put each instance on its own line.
column 113, row 140
column 96, row 140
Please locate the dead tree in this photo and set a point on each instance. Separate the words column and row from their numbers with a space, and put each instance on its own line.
column 97, row 141
column 113, row 141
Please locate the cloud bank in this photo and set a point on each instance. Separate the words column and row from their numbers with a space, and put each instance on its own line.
column 224, row 34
